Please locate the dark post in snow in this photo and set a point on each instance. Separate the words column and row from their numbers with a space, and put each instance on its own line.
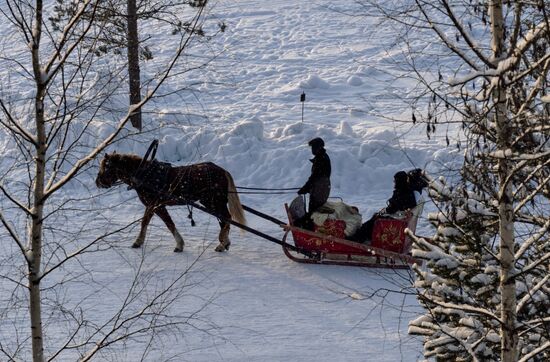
column 303, row 99
column 133, row 63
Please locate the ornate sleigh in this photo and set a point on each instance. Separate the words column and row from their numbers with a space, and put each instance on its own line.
column 390, row 246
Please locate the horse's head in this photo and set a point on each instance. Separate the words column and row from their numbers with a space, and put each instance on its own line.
column 108, row 174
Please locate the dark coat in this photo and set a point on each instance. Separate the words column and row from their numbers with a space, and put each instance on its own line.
column 402, row 199
column 320, row 169
column 318, row 183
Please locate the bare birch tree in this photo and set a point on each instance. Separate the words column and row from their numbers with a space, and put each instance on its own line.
column 484, row 65
column 56, row 102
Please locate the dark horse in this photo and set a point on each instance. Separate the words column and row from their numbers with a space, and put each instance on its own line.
column 159, row 185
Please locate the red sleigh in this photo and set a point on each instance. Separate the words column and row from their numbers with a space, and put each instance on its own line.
column 390, row 246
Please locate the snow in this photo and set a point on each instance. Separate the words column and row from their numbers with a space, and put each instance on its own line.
column 252, row 303
column 481, row 279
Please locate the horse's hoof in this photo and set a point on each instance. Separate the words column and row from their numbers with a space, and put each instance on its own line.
column 223, row 247
column 136, row 246
column 178, row 250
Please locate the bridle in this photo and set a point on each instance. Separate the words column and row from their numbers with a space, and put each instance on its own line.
column 149, row 156
column 106, row 166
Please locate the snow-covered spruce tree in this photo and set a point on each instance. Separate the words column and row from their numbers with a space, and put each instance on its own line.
column 483, row 65
column 486, row 285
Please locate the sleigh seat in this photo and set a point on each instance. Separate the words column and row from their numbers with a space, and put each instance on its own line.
column 389, row 232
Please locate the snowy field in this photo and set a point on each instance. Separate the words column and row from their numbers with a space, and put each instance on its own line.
column 252, row 303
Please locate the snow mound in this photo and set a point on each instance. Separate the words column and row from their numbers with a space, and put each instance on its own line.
column 345, row 129
column 293, row 129
column 314, row 82
column 354, row 81
column 249, row 129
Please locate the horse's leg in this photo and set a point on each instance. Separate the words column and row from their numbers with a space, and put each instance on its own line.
column 223, row 237
column 165, row 216
column 144, row 223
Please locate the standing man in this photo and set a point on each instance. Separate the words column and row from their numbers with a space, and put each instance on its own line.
column 318, row 184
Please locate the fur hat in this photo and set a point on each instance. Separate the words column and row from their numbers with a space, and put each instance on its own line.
column 317, row 142
column 401, row 179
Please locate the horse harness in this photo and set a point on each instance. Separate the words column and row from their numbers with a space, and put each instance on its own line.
column 152, row 177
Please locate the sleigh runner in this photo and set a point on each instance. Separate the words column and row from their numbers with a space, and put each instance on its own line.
column 313, row 247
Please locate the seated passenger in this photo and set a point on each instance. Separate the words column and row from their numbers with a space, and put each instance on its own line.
column 403, row 198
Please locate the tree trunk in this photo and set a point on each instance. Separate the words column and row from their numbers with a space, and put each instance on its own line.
column 133, row 63
column 35, row 259
column 509, row 337
column 35, row 233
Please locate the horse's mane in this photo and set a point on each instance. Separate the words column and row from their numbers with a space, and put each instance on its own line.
column 126, row 161
column 125, row 157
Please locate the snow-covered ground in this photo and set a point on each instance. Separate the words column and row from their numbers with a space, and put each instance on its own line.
column 252, row 303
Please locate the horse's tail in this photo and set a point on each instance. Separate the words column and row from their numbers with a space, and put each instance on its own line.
column 235, row 208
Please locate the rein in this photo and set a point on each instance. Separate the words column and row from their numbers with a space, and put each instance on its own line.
column 150, row 156
column 262, row 193
column 265, row 191
column 151, row 150
column 259, row 188
column 119, row 182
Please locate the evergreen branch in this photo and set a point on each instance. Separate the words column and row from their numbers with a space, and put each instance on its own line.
column 464, row 308
column 535, row 352
column 536, row 191
column 531, row 175
column 532, row 240
column 534, row 264
column 529, row 295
